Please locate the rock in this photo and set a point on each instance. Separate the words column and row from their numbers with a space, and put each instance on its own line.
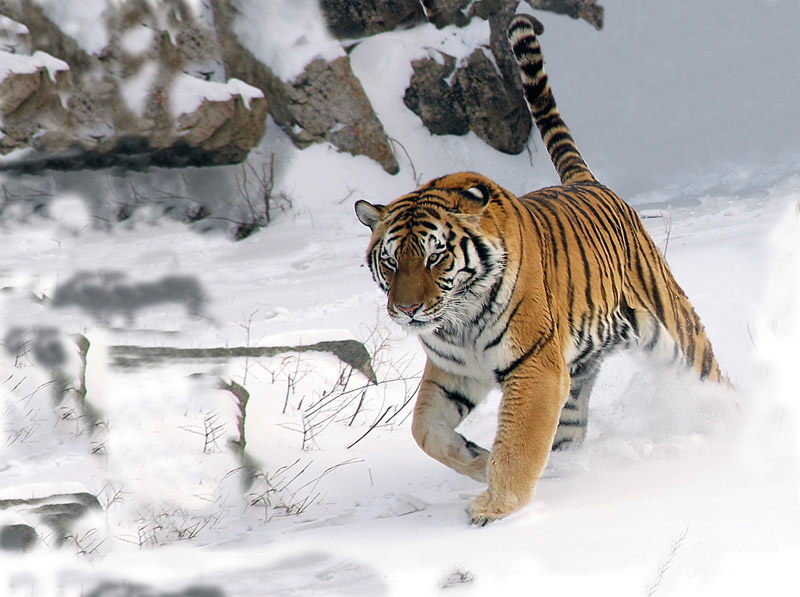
column 351, row 352
column 14, row 37
column 325, row 103
column 144, row 99
column 107, row 294
column 30, row 101
column 588, row 10
column 432, row 99
column 44, row 504
column 496, row 113
column 230, row 124
column 447, row 12
column 458, row 12
column 360, row 18
column 165, row 85
column 480, row 99
column 482, row 94
column 17, row 537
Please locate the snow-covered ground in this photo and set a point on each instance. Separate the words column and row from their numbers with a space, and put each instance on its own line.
column 687, row 109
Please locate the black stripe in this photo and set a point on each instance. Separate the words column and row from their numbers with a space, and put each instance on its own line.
column 552, row 215
column 502, row 374
column 533, row 89
column 652, row 344
column 708, row 360
column 426, row 224
column 474, row 449
column 480, row 246
column 495, row 341
column 579, row 423
column 460, row 399
column 441, row 354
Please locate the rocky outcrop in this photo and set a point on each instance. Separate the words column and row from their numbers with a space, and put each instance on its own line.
column 428, row 94
column 30, row 98
column 144, row 99
column 459, row 12
column 29, row 512
column 482, row 94
column 588, row 10
column 324, row 103
column 497, row 112
column 17, row 536
column 177, row 83
column 360, row 18
column 350, row 352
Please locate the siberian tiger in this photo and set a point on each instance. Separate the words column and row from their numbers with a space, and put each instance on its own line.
column 529, row 293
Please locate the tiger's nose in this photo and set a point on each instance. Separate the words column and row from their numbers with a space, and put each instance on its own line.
column 409, row 310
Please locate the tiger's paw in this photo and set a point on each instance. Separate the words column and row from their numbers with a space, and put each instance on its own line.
column 485, row 509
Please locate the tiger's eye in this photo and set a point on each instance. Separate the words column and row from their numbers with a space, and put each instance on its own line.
column 434, row 259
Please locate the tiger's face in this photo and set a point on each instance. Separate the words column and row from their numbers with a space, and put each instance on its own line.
column 429, row 254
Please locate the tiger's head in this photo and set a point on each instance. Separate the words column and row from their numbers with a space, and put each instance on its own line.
column 434, row 252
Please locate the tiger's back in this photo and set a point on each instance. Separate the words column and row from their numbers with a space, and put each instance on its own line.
column 613, row 282
column 529, row 293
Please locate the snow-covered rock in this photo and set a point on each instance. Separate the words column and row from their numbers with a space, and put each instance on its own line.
column 139, row 94
column 31, row 89
column 304, row 74
column 35, row 510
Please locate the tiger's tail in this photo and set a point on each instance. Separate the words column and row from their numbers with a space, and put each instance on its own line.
column 556, row 136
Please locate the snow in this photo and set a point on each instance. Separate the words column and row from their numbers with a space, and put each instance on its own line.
column 187, row 93
column 17, row 63
column 679, row 489
column 137, row 40
column 285, row 35
column 12, row 27
column 40, row 490
column 136, row 89
column 83, row 21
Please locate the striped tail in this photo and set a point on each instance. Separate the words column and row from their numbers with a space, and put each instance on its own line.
column 562, row 149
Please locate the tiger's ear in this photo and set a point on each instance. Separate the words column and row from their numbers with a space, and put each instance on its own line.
column 478, row 195
column 369, row 214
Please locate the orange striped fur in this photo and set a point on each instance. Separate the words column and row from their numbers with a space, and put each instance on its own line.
column 529, row 293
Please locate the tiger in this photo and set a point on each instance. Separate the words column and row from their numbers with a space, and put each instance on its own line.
column 527, row 293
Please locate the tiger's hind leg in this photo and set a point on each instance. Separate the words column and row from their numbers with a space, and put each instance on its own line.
column 655, row 340
column 574, row 418
column 675, row 336
column 443, row 402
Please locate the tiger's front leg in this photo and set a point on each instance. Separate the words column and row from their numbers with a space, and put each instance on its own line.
column 444, row 401
column 533, row 395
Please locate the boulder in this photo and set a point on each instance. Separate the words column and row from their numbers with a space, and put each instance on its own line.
column 17, row 537
column 497, row 112
column 432, row 99
column 42, row 510
column 326, row 102
column 482, row 94
column 361, row 18
column 448, row 12
column 30, row 98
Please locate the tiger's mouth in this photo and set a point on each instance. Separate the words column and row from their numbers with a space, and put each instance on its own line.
column 415, row 325
column 421, row 322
